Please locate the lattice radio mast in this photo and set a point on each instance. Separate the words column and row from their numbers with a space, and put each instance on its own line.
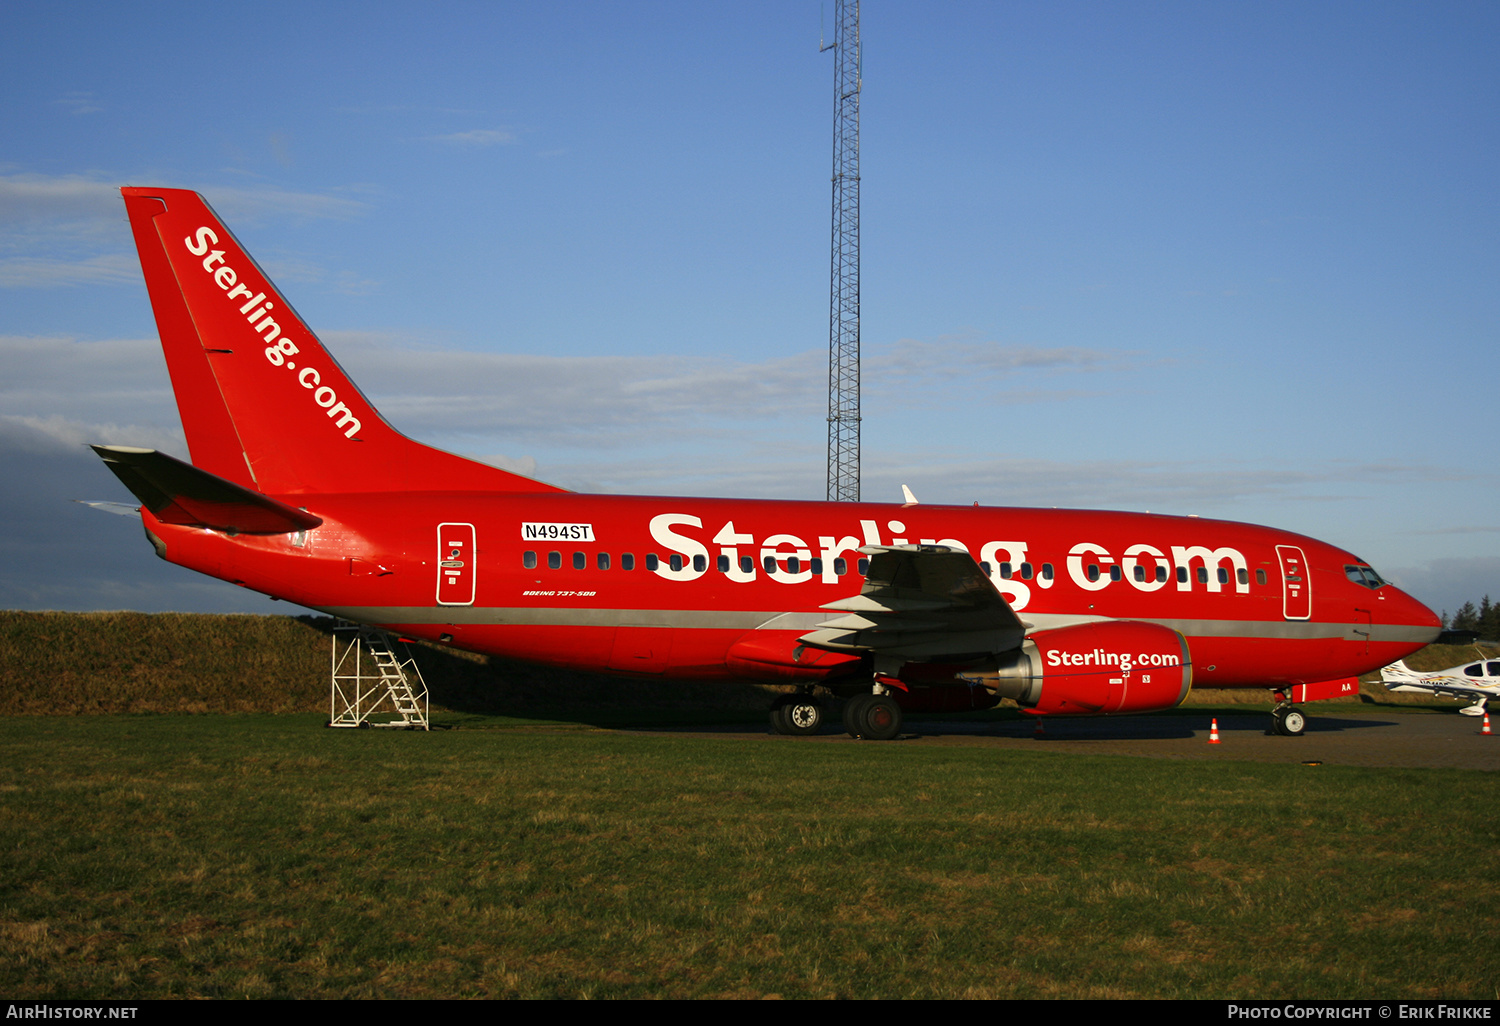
column 843, row 313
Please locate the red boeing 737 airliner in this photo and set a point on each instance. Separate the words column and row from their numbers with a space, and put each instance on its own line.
column 298, row 489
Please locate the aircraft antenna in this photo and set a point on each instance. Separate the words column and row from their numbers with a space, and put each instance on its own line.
column 843, row 312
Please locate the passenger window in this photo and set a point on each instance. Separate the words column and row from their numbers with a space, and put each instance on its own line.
column 554, row 561
column 1476, row 670
column 528, row 560
column 1223, row 576
column 1161, row 574
column 815, row 565
column 1203, row 575
column 580, row 561
column 1494, row 669
column 1026, row 571
column 651, row 561
column 700, row 563
column 1182, row 575
column 1140, row 573
column 603, row 561
column 864, row 567
column 769, row 562
column 747, row 565
column 1046, row 571
column 723, row 564
column 984, row 565
column 1093, row 573
column 675, row 559
column 627, row 561
column 840, row 566
column 1242, row 575
column 1005, row 571
column 1114, row 573
column 793, row 565
column 1260, row 577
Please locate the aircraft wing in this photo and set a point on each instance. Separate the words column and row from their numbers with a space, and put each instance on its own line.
column 921, row 603
column 180, row 493
column 1444, row 685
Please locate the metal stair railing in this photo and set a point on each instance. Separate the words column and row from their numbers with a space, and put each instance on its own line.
column 370, row 677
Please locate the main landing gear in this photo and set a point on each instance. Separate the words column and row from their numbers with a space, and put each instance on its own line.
column 797, row 714
column 874, row 717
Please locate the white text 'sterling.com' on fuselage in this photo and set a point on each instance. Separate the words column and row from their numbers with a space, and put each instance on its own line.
column 299, row 489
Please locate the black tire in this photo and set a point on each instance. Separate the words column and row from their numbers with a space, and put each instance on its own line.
column 854, row 714
column 779, row 723
column 1293, row 722
column 802, row 714
column 882, row 718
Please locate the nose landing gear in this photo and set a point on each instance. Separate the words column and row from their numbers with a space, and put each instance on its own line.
column 797, row 714
column 1288, row 721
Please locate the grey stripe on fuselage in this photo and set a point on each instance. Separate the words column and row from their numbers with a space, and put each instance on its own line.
column 749, row 620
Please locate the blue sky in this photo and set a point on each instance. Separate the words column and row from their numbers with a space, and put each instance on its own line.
column 1237, row 260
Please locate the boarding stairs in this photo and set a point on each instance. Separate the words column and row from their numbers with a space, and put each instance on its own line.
column 372, row 676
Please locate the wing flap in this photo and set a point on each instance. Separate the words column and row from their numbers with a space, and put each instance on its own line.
column 921, row 603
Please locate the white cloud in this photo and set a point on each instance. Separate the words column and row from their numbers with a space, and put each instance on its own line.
column 25, row 197
column 45, row 272
column 79, row 433
column 33, row 197
column 479, row 137
column 237, row 203
column 951, row 356
column 1446, row 584
column 570, row 400
column 78, row 102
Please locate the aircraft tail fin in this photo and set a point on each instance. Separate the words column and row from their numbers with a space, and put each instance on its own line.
column 263, row 404
column 1398, row 673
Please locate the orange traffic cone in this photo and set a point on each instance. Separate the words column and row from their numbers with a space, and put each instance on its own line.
column 1038, row 732
column 1213, row 733
column 1486, row 729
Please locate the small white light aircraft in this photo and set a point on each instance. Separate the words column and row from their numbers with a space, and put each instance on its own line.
column 1479, row 681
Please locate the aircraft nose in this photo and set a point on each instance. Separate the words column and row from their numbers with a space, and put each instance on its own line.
column 1401, row 608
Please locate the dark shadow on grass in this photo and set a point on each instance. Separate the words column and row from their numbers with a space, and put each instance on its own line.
column 476, row 686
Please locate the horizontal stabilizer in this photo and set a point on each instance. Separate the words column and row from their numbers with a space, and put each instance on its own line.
column 180, row 493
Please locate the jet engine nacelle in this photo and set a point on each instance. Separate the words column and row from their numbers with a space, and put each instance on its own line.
column 1094, row 669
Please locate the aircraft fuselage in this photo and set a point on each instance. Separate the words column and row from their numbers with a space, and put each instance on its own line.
column 666, row 586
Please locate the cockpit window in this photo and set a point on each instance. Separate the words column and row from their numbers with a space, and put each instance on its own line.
column 1363, row 575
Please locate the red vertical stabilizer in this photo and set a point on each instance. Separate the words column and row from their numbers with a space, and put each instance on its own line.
column 262, row 402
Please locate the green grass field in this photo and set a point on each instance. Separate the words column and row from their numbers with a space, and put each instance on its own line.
column 220, row 856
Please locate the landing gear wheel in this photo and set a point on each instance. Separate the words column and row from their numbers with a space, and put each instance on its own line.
column 803, row 715
column 797, row 715
column 882, row 718
column 854, row 714
column 1288, row 721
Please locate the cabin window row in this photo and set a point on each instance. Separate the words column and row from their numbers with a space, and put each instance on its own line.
column 1025, row 571
column 793, row 564
column 604, row 561
column 1241, row 575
